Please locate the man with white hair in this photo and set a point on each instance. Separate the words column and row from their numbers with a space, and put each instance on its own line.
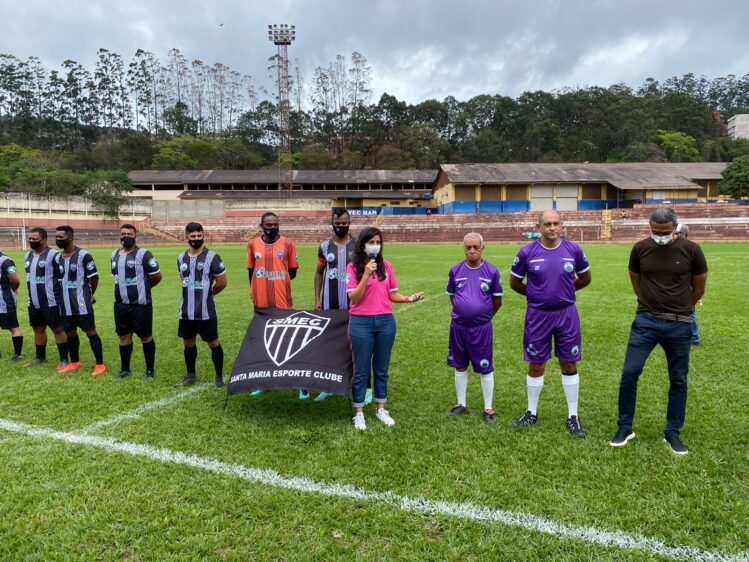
column 475, row 291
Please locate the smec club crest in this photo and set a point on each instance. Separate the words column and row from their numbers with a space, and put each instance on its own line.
column 286, row 337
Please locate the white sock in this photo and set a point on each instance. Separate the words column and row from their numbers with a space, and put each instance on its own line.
column 535, row 384
column 571, row 386
column 461, row 385
column 487, row 387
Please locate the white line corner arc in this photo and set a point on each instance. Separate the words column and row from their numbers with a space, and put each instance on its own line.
column 286, row 337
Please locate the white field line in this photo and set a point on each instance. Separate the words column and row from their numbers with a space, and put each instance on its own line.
column 144, row 408
column 465, row 511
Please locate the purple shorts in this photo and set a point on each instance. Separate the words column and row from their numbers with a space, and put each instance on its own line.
column 542, row 325
column 471, row 344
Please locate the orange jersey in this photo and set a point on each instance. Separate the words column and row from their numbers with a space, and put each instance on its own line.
column 271, row 283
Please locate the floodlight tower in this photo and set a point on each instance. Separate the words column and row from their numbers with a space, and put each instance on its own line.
column 282, row 35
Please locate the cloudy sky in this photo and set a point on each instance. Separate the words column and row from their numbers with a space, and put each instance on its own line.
column 418, row 49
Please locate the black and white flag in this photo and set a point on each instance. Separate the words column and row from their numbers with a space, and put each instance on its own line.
column 291, row 349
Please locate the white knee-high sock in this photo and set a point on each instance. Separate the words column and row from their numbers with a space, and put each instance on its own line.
column 535, row 384
column 461, row 384
column 571, row 386
column 487, row 388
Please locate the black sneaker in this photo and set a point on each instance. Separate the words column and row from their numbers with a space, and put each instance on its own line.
column 187, row 381
column 36, row 361
column 622, row 437
column 15, row 359
column 148, row 377
column 219, row 382
column 457, row 410
column 575, row 427
column 526, row 420
column 122, row 374
column 674, row 441
column 489, row 416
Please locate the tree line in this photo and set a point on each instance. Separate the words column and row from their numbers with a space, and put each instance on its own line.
column 146, row 113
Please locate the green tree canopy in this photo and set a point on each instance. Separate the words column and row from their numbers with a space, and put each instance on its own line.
column 736, row 178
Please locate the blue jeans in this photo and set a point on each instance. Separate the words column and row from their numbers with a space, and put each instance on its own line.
column 676, row 340
column 372, row 339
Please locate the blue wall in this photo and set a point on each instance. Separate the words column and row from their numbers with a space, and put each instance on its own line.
column 469, row 207
column 601, row 204
column 659, row 201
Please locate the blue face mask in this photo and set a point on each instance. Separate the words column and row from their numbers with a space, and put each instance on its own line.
column 662, row 240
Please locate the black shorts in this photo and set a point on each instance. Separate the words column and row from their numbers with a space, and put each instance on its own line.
column 207, row 329
column 9, row 320
column 85, row 322
column 46, row 316
column 133, row 318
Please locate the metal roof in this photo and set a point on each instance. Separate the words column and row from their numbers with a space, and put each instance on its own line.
column 330, row 177
column 629, row 175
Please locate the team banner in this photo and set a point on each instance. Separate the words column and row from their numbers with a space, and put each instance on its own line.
column 290, row 349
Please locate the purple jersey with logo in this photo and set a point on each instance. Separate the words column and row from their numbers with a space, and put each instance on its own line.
column 473, row 291
column 550, row 273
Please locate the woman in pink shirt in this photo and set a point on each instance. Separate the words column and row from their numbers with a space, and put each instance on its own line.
column 372, row 288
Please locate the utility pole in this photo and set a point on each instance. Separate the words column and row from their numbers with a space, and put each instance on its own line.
column 282, row 35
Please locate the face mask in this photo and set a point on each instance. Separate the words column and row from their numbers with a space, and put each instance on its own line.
column 271, row 233
column 35, row 245
column 662, row 240
column 341, row 231
column 127, row 242
column 62, row 244
column 195, row 244
column 372, row 250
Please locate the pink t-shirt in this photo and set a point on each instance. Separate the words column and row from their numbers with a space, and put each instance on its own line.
column 376, row 299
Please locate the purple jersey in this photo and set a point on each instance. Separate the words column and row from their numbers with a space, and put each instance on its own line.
column 551, row 273
column 473, row 292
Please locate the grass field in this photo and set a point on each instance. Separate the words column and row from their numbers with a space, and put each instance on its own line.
column 91, row 493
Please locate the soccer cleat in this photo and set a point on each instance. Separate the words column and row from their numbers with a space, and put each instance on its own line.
column 489, row 417
column 36, row 361
column 61, row 365
column 575, row 427
column 526, row 420
column 219, row 382
column 384, row 416
column 69, row 368
column 359, row 422
column 368, row 397
column 622, row 437
column 187, row 381
column 674, row 441
column 257, row 393
column 457, row 410
column 122, row 374
column 99, row 370
column 148, row 377
column 15, row 359
column 323, row 396
column 303, row 394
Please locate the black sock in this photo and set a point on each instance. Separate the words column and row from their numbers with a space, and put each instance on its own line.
column 41, row 351
column 191, row 356
column 62, row 350
column 96, row 347
column 17, row 344
column 126, row 351
column 217, row 354
column 149, row 352
column 74, row 345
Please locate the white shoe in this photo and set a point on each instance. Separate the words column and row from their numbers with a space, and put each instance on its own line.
column 384, row 416
column 359, row 422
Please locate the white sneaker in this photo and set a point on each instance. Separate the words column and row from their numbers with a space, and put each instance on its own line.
column 384, row 416
column 359, row 422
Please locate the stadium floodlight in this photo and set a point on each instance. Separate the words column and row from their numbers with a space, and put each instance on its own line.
column 281, row 34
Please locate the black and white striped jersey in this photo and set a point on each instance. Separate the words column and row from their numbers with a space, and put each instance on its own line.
column 42, row 279
column 335, row 258
column 75, row 282
column 132, row 275
column 7, row 295
column 197, row 274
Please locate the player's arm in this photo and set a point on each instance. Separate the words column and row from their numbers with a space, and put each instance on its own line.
column 14, row 281
column 155, row 279
column 319, row 271
column 94, row 280
column 452, row 300
column 635, row 280
column 292, row 272
column 698, row 287
column 250, row 271
column 496, row 305
column 219, row 284
column 517, row 285
column 582, row 280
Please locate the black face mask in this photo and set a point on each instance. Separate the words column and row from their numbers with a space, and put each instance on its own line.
column 36, row 245
column 127, row 242
column 341, row 231
column 195, row 244
column 271, row 233
column 62, row 244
